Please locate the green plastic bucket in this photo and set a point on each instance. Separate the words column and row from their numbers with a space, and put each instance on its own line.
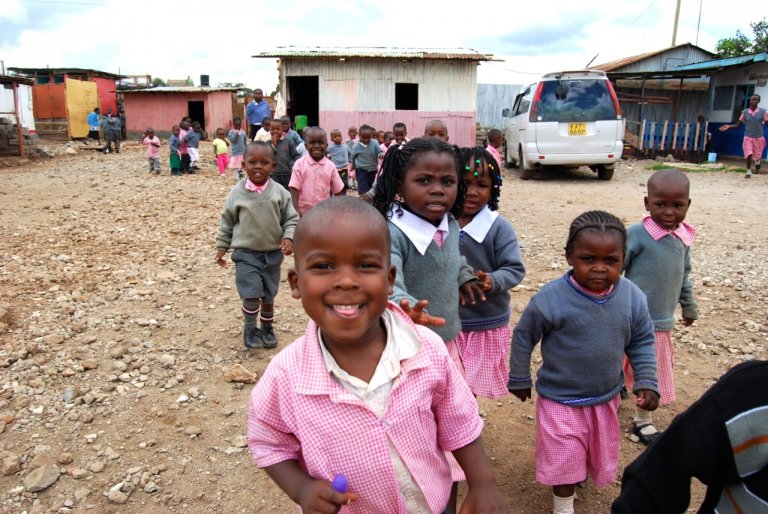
column 301, row 122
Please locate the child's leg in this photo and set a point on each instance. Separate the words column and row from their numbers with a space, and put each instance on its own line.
column 252, row 337
column 267, row 318
column 562, row 498
column 117, row 144
column 151, row 162
column 157, row 165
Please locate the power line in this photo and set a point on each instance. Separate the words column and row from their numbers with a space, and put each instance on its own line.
column 515, row 71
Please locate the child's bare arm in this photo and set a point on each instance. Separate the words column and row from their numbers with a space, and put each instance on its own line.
column 294, row 198
column 310, row 494
column 483, row 494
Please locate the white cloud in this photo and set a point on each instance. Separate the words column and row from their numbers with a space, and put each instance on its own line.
column 173, row 40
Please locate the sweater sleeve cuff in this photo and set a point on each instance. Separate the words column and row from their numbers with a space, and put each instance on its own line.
column 651, row 385
column 515, row 383
column 690, row 311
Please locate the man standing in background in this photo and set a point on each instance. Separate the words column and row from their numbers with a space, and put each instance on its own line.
column 93, row 120
column 257, row 110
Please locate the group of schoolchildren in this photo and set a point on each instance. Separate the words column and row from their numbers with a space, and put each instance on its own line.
column 408, row 293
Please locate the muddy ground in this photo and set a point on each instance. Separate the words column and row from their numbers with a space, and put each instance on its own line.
column 117, row 329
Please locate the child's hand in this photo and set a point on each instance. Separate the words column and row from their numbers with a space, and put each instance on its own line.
column 485, row 497
column 317, row 496
column 647, row 399
column 486, row 283
column 220, row 258
column 687, row 322
column 417, row 314
column 470, row 292
column 523, row 394
column 723, row 128
column 286, row 246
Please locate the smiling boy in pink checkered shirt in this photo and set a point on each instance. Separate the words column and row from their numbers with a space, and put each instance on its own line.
column 365, row 392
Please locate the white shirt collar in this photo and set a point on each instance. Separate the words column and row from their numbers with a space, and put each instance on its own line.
column 418, row 230
column 480, row 225
column 402, row 343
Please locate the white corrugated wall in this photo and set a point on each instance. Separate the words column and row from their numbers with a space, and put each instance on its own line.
column 25, row 105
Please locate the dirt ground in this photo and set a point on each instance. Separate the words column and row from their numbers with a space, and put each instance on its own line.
column 117, row 330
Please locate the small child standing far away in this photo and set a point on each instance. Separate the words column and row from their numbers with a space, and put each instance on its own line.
column 489, row 243
column 238, row 139
column 658, row 261
column 258, row 221
column 350, row 142
column 364, row 393
column 586, row 321
column 192, row 139
column 264, row 134
column 174, row 145
column 340, row 155
column 184, row 128
column 365, row 159
column 285, row 154
column 153, row 149
column 314, row 177
column 221, row 150
column 494, row 144
column 753, row 144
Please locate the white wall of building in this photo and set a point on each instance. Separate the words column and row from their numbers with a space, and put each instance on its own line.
column 755, row 74
column 25, row 104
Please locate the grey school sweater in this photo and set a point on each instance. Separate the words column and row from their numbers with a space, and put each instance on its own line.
column 258, row 222
column 583, row 343
column 661, row 270
column 434, row 276
column 499, row 254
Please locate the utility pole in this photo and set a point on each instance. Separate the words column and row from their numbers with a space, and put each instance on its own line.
column 677, row 19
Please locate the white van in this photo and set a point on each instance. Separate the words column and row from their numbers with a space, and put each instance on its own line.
column 567, row 118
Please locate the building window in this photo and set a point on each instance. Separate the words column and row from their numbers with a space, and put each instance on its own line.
column 723, row 98
column 58, row 79
column 43, row 79
column 406, row 97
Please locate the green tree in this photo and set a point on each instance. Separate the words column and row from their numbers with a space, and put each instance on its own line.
column 157, row 81
column 242, row 90
column 742, row 45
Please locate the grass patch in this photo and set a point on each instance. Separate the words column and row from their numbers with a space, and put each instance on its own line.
column 659, row 166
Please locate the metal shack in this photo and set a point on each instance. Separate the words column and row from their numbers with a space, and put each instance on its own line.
column 339, row 87
column 16, row 116
column 63, row 98
column 163, row 107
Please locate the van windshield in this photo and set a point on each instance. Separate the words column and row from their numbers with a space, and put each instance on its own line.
column 575, row 100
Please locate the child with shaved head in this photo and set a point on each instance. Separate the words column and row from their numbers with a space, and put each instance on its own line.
column 365, row 392
column 658, row 261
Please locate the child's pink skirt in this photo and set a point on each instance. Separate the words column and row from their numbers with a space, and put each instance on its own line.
column 665, row 365
column 236, row 162
column 485, row 355
column 573, row 442
column 222, row 160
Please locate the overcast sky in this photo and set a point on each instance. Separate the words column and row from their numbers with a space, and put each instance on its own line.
column 173, row 40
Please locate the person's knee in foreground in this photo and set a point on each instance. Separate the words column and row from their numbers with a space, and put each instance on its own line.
column 658, row 261
column 720, row 440
column 364, row 393
column 586, row 321
column 258, row 221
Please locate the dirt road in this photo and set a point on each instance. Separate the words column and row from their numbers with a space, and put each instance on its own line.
column 117, row 329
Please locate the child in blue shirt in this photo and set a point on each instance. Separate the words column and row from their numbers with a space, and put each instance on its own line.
column 586, row 321
column 340, row 155
column 174, row 143
column 365, row 159
column 192, row 139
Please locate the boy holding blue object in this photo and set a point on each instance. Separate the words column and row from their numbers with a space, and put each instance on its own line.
column 365, row 392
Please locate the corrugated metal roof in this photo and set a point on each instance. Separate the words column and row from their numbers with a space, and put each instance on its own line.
column 185, row 89
column 10, row 79
column 726, row 62
column 620, row 63
column 48, row 71
column 374, row 52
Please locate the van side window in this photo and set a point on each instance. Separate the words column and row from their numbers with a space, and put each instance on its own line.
column 525, row 104
column 522, row 102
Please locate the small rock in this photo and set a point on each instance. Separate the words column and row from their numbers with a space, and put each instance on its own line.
column 40, row 461
column 194, row 392
column 77, row 473
column 82, row 494
column 41, row 478
column 11, row 463
column 237, row 373
column 117, row 496
column 111, row 454
column 193, row 430
column 90, row 364
column 240, row 441
column 151, row 487
column 96, row 466
column 182, row 399
column 633, row 438
column 167, row 360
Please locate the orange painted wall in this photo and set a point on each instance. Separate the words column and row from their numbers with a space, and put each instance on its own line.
column 107, row 95
column 163, row 110
column 48, row 101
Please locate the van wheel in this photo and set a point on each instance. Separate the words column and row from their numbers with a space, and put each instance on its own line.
column 604, row 172
column 525, row 174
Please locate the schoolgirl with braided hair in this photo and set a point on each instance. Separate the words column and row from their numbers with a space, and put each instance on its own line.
column 489, row 243
column 586, row 321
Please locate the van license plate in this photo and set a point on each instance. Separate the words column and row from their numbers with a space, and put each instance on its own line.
column 577, row 129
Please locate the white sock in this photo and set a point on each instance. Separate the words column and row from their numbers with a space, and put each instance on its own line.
column 563, row 505
column 644, row 417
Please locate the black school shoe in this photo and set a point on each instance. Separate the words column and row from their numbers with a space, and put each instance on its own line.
column 268, row 336
column 252, row 337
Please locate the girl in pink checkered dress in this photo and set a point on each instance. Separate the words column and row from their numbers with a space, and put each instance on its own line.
column 586, row 321
column 489, row 243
